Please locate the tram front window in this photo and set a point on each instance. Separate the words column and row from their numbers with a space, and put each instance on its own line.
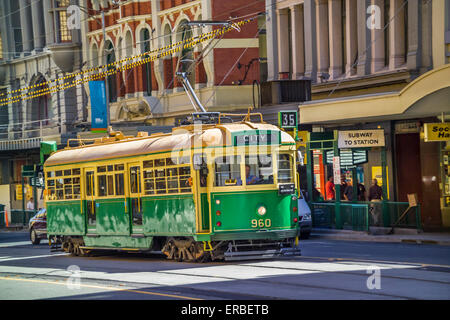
column 228, row 171
column 258, row 169
column 285, row 165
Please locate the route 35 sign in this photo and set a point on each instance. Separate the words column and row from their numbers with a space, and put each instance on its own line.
column 287, row 119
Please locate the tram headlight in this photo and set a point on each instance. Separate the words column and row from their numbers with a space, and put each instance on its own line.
column 262, row 210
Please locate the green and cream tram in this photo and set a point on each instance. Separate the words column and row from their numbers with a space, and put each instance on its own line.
column 220, row 191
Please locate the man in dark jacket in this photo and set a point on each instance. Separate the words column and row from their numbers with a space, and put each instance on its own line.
column 375, row 191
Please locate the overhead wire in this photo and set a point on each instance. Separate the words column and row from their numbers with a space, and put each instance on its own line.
column 178, row 46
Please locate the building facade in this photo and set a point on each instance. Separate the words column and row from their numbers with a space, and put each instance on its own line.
column 152, row 92
column 374, row 64
column 37, row 47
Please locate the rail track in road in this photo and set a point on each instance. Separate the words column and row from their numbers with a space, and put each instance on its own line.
column 305, row 277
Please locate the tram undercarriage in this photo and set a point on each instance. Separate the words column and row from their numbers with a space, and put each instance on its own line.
column 188, row 250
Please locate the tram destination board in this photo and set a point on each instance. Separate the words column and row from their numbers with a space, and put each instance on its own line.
column 257, row 137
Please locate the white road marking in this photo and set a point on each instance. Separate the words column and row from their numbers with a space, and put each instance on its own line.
column 14, row 244
column 3, row 259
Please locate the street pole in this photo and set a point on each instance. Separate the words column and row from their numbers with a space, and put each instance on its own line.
column 106, row 77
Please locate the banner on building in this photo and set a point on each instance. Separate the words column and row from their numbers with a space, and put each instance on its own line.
column 98, row 106
column 437, row 131
column 361, row 138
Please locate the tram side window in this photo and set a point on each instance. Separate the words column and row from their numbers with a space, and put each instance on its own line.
column 285, row 164
column 120, row 190
column 163, row 176
column 110, row 180
column 63, row 184
column 228, row 171
column 260, row 169
column 160, row 181
column 135, row 182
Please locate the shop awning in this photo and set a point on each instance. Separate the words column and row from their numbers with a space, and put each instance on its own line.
column 428, row 95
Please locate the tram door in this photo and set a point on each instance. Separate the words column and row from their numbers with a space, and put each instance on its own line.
column 201, row 193
column 135, row 201
column 90, row 208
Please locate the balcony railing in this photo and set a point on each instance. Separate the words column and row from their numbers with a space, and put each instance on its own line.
column 26, row 135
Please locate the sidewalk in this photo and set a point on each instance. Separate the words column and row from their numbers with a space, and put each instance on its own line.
column 399, row 236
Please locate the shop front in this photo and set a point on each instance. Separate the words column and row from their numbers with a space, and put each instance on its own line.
column 414, row 159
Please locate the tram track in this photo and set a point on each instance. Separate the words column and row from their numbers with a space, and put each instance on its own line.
column 254, row 279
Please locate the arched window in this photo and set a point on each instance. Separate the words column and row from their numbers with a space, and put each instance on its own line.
column 187, row 54
column 39, row 106
column 167, row 60
column 146, row 68
column 110, row 58
column 94, row 56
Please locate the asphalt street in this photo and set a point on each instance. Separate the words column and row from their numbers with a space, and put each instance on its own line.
column 327, row 269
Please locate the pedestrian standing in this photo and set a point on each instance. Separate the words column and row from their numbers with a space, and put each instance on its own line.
column 329, row 189
column 361, row 192
column 348, row 192
column 30, row 204
column 343, row 186
column 375, row 191
column 375, row 195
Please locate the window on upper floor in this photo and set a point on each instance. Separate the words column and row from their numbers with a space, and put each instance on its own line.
column 63, row 34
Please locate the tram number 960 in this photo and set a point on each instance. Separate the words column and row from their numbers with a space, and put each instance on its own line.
column 261, row 223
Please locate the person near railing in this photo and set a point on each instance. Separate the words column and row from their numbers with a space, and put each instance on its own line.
column 348, row 191
column 375, row 195
column 361, row 192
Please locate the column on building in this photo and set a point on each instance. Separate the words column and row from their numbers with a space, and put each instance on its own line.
column 363, row 34
column 351, row 37
column 298, row 42
column 38, row 25
column 414, row 30
column 272, row 41
column 376, row 16
column 397, row 34
column 426, row 37
column 309, row 14
column 335, row 37
column 26, row 25
column 283, row 43
column 48, row 22
column 323, row 58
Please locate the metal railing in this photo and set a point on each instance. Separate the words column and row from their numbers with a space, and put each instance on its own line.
column 17, row 217
column 25, row 130
column 354, row 216
column 361, row 215
column 26, row 135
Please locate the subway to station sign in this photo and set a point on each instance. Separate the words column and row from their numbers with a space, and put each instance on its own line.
column 437, row 131
column 361, row 138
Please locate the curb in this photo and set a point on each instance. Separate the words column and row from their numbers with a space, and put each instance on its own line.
column 379, row 239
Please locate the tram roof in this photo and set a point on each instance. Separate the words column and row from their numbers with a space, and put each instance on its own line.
column 181, row 138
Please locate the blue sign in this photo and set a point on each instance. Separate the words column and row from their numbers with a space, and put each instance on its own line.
column 98, row 106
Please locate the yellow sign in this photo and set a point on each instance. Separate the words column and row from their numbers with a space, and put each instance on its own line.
column 437, row 131
column 301, row 143
column 378, row 174
column 19, row 192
